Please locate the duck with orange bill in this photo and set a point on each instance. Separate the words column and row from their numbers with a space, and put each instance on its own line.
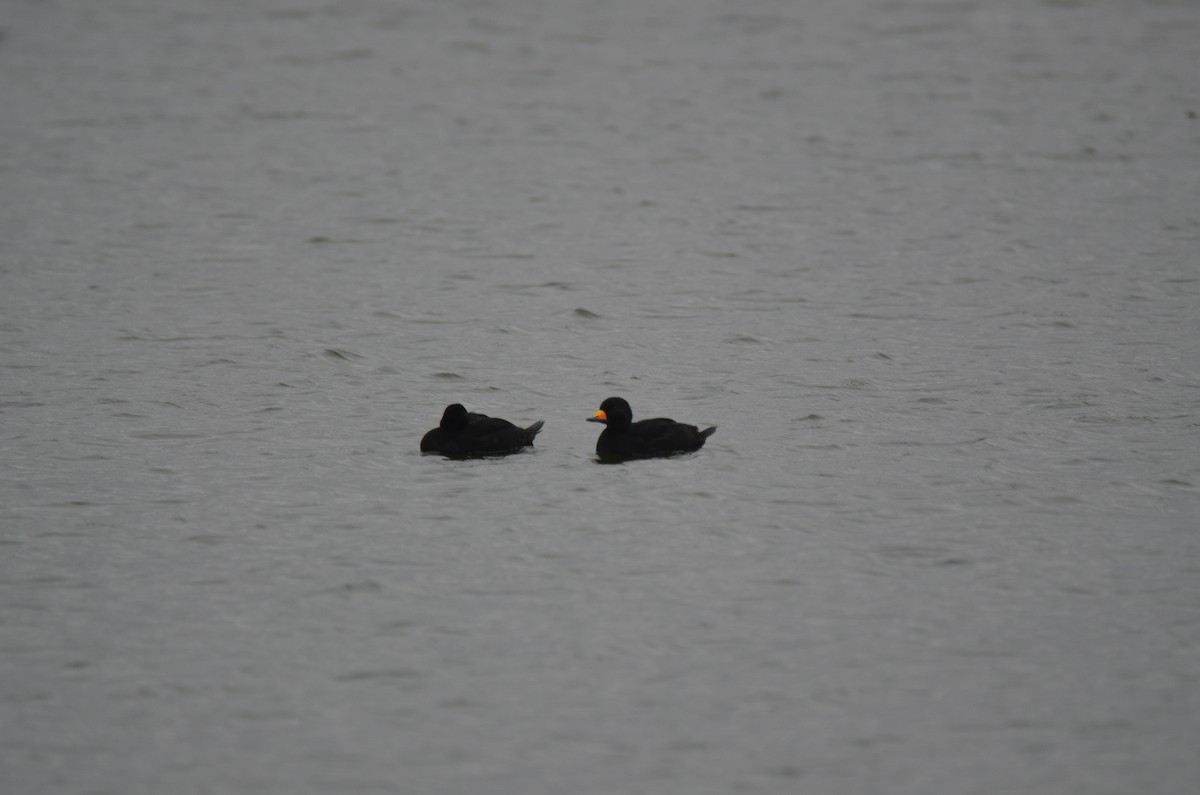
column 623, row 438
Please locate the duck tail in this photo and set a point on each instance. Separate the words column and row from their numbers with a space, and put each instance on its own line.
column 707, row 432
column 533, row 430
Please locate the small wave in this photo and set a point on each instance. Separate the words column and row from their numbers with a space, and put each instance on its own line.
column 340, row 353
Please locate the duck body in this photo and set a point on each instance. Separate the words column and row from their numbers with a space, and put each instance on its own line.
column 624, row 439
column 462, row 433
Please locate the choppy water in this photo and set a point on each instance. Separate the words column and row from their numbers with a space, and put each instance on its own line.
column 932, row 267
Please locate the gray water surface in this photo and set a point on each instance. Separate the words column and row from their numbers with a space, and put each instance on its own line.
column 933, row 268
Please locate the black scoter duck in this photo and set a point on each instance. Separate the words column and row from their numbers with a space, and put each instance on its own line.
column 624, row 438
column 465, row 433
